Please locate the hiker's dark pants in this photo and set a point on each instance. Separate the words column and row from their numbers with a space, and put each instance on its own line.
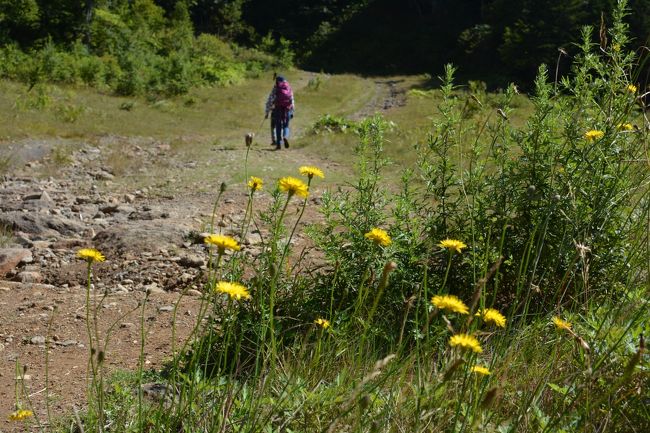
column 280, row 125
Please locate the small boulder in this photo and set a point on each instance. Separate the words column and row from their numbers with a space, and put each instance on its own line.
column 12, row 257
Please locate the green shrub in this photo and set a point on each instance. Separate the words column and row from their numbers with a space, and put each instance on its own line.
column 328, row 123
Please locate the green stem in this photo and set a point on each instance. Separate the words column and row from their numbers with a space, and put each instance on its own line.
column 444, row 281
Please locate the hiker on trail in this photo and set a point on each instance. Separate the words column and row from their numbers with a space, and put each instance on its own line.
column 281, row 105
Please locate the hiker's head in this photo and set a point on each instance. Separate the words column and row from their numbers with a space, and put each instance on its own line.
column 279, row 79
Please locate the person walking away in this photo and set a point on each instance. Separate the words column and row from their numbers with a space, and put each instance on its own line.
column 280, row 104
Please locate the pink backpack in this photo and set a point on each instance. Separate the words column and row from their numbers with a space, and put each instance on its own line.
column 283, row 95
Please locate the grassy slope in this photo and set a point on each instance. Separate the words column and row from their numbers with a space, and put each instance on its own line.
column 209, row 119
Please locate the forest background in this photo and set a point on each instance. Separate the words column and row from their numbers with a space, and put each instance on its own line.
column 165, row 47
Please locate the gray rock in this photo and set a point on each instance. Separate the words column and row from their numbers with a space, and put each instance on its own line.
column 12, row 257
column 109, row 208
column 103, row 175
column 166, row 309
column 153, row 288
column 192, row 261
column 66, row 343
column 37, row 339
column 41, row 224
column 29, row 277
column 253, row 239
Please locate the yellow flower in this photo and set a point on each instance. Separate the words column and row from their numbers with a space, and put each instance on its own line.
column 594, row 134
column 449, row 302
column 222, row 242
column 478, row 369
column 311, row 171
column 234, row 290
column 323, row 323
column 292, row 186
column 631, row 88
column 490, row 315
column 379, row 236
column 255, row 183
column 20, row 415
column 561, row 324
column 625, row 126
column 452, row 244
column 465, row 342
column 90, row 255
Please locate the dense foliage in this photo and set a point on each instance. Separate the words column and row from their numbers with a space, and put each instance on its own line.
column 129, row 47
column 503, row 39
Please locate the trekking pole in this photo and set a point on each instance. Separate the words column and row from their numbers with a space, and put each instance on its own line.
column 260, row 127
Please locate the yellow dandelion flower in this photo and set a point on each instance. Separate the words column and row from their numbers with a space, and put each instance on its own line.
column 90, row 255
column 255, row 183
column 452, row 244
column 451, row 303
column 594, row 134
column 631, row 88
column 561, row 324
column 379, row 236
column 490, row 315
column 625, row 127
column 479, row 369
column 311, row 171
column 234, row 290
column 222, row 242
column 323, row 323
column 465, row 342
column 20, row 415
column 292, row 186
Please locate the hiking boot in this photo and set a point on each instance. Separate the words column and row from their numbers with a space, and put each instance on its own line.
column 286, row 143
column 278, row 147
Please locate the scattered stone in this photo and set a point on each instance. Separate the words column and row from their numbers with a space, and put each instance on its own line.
column 37, row 340
column 127, row 325
column 191, row 261
column 156, row 391
column 153, row 289
column 103, row 175
column 253, row 239
column 193, row 292
column 29, row 277
column 11, row 257
column 69, row 244
column 166, row 309
column 129, row 198
column 66, row 343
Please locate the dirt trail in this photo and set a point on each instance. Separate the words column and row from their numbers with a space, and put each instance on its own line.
column 388, row 93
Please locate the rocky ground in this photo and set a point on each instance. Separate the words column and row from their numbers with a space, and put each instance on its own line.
column 152, row 244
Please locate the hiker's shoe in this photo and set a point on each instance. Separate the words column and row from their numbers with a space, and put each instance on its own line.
column 273, row 143
column 286, row 143
column 278, row 147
